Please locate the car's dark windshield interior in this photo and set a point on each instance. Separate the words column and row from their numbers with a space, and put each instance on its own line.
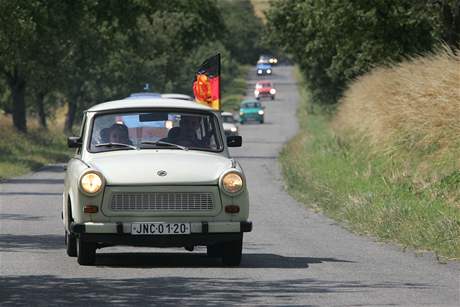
column 250, row 105
column 155, row 129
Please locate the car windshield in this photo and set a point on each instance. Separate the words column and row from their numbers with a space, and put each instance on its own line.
column 228, row 119
column 263, row 85
column 159, row 129
column 250, row 105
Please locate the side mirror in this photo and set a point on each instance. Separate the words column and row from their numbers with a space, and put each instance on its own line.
column 234, row 141
column 74, row 142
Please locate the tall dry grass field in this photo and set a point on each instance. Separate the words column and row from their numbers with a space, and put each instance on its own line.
column 411, row 112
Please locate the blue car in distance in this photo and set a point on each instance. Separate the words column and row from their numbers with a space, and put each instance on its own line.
column 264, row 69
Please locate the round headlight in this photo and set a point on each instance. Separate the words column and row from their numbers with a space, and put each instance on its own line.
column 261, row 112
column 91, row 182
column 269, row 71
column 232, row 183
column 272, row 91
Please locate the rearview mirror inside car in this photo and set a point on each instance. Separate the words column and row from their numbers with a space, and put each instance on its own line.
column 234, row 141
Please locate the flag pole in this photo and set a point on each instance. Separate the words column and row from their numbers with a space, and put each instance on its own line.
column 220, row 83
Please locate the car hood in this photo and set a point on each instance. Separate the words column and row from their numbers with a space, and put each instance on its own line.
column 264, row 66
column 264, row 89
column 228, row 126
column 141, row 167
column 250, row 110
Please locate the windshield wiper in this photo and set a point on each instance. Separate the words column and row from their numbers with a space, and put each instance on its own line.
column 159, row 142
column 112, row 144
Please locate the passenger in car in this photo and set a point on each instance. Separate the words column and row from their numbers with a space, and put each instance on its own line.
column 117, row 133
column 188, row 131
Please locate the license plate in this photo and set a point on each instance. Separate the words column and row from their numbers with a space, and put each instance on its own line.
column 160, row 228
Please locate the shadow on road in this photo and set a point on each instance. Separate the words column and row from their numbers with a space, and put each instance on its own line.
column 174, row 291
column 30, row 194
column 14, row 243
column 19, row 217
column 33, row 181
column 197, row 260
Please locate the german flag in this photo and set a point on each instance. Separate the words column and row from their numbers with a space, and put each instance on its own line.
column 206, row 86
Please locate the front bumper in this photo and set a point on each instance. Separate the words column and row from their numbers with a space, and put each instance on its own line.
column 250, row 117
column 264, row 94
column 205, row 233
column 230, row 133
column 264, row 72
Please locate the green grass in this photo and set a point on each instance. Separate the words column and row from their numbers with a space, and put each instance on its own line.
column 368, row 191
column 21, row 153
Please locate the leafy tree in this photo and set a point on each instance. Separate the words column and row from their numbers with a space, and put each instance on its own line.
column 244, row 30
column 33, row 37
column 89, row 51
column 335, row 41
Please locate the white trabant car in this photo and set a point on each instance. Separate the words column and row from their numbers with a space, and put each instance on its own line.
column 229, row 123
column 154, row 172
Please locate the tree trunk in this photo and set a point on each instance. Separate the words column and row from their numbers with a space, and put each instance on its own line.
column 41, row 110
column 70, row 116
column 17, row 86
column 451, row 23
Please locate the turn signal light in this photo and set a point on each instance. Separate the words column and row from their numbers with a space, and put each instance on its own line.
column 90, row 209
column 232, row 209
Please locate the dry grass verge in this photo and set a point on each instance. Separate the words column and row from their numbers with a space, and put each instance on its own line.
column 21, row 153
column 410, row 112
column 390, row 165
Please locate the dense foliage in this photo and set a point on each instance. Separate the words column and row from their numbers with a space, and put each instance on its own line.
column 83, row 52
column 245, row 33
column 334, row 41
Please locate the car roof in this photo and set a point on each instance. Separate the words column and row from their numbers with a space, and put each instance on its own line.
column 249, row 101
column 176, row 96
column 148, row 102
column 264, row 82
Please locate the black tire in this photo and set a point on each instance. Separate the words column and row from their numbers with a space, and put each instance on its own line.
column 273, row 97
column 215, row 250
column 232, row 252
column 262, row 121
column 86, row 252
column 71, row 244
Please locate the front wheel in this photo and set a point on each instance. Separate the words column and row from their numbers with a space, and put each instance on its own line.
column 232, row 252
column 71, row 244
column 86, row 252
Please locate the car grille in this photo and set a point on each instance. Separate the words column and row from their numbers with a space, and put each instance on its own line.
column 162, row 201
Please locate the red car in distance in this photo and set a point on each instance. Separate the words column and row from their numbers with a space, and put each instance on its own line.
column 264, row 88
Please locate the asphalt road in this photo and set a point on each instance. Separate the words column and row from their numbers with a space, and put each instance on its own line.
column 294, row 257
